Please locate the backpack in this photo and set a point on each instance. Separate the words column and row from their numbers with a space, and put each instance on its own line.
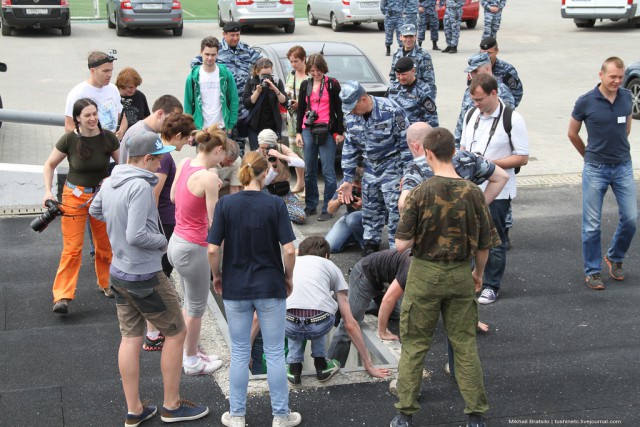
column 506, row 124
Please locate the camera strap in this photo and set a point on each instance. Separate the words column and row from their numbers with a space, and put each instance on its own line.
column 494, row 125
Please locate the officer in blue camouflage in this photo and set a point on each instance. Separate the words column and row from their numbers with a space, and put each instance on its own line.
column 452, row 20
column 413, row 95
column 410, row 12
column 502, row 70
column 492, row 16
column 427, row 14
column 480, row 63
column 393, row 11
column 376, row 130
column 421, row 58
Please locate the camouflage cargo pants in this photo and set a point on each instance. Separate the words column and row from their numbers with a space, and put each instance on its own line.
column 491, row 24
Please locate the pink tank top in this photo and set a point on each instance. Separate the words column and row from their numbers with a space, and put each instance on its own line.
column 191, row 210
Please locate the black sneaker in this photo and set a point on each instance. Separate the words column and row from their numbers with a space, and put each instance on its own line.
column 134, row 420
column 476, row 420
column 186, row 411
column 401, row 420
column 294, row 371
column 153, row 345
column 61, row 306
column 333, row 366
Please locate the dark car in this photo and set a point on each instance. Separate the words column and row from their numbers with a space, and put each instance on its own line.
column 144, row 14
column 632, row 82
column 470, row 12
column 35, row 14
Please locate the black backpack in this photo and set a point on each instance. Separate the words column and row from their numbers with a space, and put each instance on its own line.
column 506, row 124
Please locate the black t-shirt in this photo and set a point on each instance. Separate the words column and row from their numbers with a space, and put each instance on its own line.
column 386, row 266
column 135, row 107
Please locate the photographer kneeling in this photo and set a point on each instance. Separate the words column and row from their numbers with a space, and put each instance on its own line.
column 348, row 230
column 280, row 158
column 262, row 96
column 320, row 126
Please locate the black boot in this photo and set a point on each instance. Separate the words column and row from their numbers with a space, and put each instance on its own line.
column 446, row 49
column 388, row 51
column 370, row 248
column 325, row 369
column 294, row 372
column 453, row 49
column 420, row 44
column 435, row 45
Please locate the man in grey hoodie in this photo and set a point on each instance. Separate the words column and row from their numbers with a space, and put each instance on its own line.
column 143, row 292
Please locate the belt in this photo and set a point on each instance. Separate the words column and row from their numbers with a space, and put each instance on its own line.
column 308, row 320
column 86, row 190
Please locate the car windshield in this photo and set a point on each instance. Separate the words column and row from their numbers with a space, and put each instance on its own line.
column 345, row 68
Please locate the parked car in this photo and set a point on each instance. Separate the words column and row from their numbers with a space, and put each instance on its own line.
column 470, row 12
column 632, row 82
column 36, row 14
column 247, row 13
column 124, row 15
column 341, row 12
column 585, row 12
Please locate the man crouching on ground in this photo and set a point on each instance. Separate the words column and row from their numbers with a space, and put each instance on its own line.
column 143, row 292
column 447, row 223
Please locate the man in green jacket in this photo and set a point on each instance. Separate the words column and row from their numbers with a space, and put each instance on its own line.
column 210, row 93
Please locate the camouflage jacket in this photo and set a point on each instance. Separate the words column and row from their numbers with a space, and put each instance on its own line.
column 424, row 67
column 417, row 100
column 507, row 74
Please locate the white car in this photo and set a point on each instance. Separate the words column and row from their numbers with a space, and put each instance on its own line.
column 340, row 12
column 585, row 13
column 247, row 13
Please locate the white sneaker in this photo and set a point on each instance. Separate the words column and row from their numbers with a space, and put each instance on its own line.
column 293, row 419
column 488, row 296
column 208, row 357
column 230, row 421
column 202, row 367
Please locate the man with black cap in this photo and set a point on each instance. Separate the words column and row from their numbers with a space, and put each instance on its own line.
column 376, row 130
column 502, row 70
column 143, row 292
column 421, row 58
column 413, row 95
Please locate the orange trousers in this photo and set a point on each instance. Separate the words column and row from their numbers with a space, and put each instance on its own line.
column 73, row 228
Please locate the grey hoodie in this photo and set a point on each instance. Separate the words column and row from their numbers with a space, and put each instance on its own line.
column 126, row 203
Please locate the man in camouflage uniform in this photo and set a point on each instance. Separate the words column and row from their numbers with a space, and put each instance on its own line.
column 413, row 95
column 479, row 63
column 452, row 20
column 427, row 14
column 375, row 130
column 392, row 10
column 502, row 70
column 492, row 16
column 421, row 58
column 440, row 281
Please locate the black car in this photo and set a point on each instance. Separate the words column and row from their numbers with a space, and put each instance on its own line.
column 35, row 14
column 632, row 82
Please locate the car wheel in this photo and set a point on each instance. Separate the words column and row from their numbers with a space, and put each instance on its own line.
column 334, row 23
column 381, row 26
column 290, row 28
column 66, row 30
column 357, row 23
column 6, row 30
column 471, row 23
column 110, row 23
column 634, row 87
column 220, row 23
column 177, row 32
column 589, row 23
column 120, row 30
column 312, row 21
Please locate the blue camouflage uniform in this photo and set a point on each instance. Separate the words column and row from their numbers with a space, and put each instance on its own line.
column 452, row 20
column 428, row 16
column 492, row 19
column 468, row 165
column 417, row 100
column 507, row 74
column 503, row 93
column 239, row 61
column 393, row 20
column 424, row 67
column 381, row 141
column 410, row 12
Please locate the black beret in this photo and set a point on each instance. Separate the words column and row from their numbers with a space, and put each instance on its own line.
column 488, row 43
column 403, row 65
column 231, row 27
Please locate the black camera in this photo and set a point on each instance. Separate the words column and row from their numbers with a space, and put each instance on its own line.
column 41, row 222
column 356, row 192
column 310, row 118
column 263, row 78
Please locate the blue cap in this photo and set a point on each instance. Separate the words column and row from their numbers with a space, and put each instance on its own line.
column 476, row 60
column 147, row 143
column 408, row 30
column 350, row 94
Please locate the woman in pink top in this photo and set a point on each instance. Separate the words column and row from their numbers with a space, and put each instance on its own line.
column 195, row 193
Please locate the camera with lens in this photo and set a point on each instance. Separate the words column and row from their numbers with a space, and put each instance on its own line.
column 310, row 118
column 356, row 192
column 41, row 222
column 263, row 80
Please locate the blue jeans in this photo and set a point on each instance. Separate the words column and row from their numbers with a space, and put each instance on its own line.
column 497, row 262
column 297, row 333
column 328, row 159
column 596, row 179
column 271, row 314
column 346, row 231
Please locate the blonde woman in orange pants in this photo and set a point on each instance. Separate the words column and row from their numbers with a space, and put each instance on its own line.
column 88, row 150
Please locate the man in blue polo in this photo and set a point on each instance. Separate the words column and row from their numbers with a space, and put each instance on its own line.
column 606, row 112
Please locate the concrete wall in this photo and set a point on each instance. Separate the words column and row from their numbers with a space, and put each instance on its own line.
column 22, row 188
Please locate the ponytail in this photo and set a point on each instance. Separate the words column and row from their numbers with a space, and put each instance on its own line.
column 253, row 164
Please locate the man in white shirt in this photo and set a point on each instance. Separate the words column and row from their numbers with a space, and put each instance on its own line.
column 105, row 95
column 484, row 134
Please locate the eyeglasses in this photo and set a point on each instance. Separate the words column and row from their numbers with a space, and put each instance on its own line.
column 479, row 100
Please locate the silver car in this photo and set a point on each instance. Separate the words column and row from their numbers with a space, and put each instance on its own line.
column 247, row 13
column 144, row 14
column 340, row 12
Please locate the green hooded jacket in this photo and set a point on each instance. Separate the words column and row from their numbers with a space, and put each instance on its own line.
column 228, row 97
